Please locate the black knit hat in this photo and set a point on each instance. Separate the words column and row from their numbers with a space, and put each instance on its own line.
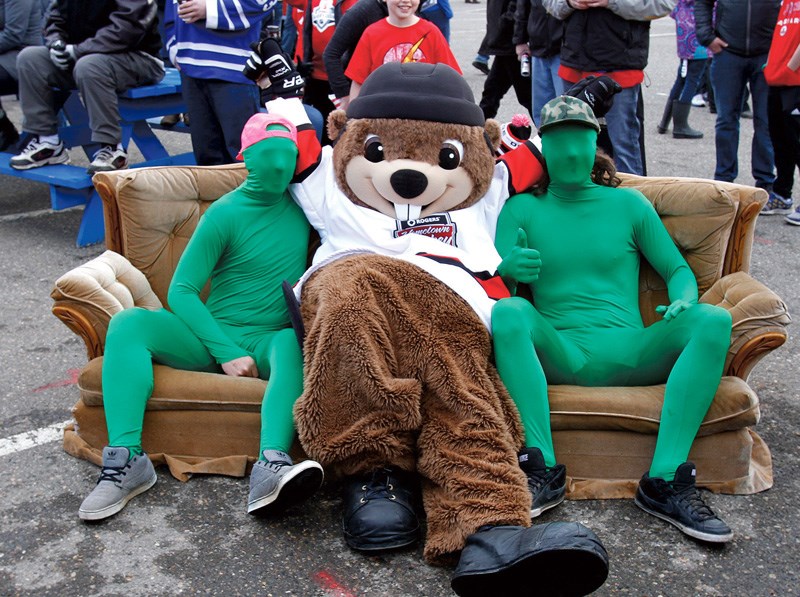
column 417, row 91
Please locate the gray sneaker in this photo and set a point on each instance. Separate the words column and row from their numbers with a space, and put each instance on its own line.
column 120, row 480
column 276, row 484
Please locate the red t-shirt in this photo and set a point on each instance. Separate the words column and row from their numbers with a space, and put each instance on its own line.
column 382, row 42
column 785, row 40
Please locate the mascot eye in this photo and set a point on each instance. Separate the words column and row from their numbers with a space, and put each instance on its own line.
column 373, row 149
column 450, row 154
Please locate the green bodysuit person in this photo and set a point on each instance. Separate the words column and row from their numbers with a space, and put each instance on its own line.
column 245, row 244
column 585, row 328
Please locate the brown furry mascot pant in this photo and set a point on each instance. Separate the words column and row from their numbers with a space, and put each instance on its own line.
column 398, row 373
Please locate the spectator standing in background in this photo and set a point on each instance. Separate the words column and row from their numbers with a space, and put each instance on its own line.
column 20, row 26
column 783, row 77
column 102, row 48
column 693, row 60
column 439, row 13
column 739, row 34
column 318, row 26
column 611, row 38
column 539, row 35
column 400, row 37
column 208, row 40
column 505, row 70
column 349, row 27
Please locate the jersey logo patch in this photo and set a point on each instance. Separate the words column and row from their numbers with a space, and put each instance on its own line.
column 437, row 226
column 323, row 16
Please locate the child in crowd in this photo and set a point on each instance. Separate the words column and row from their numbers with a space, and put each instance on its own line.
column 400, row 37
column 246, row 244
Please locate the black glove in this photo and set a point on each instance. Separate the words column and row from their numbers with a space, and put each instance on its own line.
column 268, row 58
column 598, row 92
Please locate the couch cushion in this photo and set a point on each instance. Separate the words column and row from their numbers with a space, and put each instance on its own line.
column 639, row 408
column 183, row 390
column 635, row 409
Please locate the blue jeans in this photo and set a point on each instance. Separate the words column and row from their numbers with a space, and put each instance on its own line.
column 623, row 131
column 545, row 83
column 729, row 75
column 685, row 86
column 218, row 111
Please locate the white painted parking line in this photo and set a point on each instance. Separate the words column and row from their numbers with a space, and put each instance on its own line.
column 31, row 439
column 34, row 214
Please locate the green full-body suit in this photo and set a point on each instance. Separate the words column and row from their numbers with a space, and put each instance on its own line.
column 246, row 244
column 584, row 326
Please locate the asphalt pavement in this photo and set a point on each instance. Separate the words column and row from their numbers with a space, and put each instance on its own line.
column 195, row 538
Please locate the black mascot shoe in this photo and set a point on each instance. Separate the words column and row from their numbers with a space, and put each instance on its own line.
column 553, row 559
column 379, row 510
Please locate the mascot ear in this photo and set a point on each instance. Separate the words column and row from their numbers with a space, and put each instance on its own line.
column 336, row 122
column 492, row 128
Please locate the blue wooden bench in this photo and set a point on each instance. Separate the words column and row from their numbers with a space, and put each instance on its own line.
column 71, row 185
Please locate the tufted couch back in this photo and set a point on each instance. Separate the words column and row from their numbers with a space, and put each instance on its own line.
column 151, row 213
column 711, row 222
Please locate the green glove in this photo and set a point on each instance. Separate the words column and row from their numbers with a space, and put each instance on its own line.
column 521, row 264
column 674, row 309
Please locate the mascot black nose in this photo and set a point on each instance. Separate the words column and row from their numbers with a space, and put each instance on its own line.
column 409, row 183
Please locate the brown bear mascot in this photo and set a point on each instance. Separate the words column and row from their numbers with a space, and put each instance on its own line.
column 400, row 394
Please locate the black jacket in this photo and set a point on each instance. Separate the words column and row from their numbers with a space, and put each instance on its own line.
column 746, row 25
column 599, row 40
column 542, row 32
column 105, row 27
column 345, row 38
column 500, row 27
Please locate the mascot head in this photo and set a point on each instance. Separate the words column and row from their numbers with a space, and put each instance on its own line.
column 414, row 142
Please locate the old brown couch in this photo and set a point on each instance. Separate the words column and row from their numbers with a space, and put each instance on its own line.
column 209, row 423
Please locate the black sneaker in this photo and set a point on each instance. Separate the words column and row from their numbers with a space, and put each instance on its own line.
column 679, row 503
column 39, row 153
column 548, row 485
column 481, row 65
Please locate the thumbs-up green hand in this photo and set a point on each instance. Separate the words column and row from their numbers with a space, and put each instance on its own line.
column 522, row 238
column 521, row 264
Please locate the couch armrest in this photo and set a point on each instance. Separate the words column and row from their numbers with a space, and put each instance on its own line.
column 88, row 296
column 759, row 316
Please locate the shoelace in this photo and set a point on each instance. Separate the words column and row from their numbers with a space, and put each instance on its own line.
column 113, row 474
column 690, row 495
column 104, row 154
column 276, row 465
column 538, row 478
column 32, row 145
column 378, row 486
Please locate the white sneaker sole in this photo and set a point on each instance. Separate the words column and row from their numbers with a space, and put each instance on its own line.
column 539, row 511
column 778, row 211
column 792, row 221
column 305, row 479
column 117, row 506
column 62, row 158
column 708, row 537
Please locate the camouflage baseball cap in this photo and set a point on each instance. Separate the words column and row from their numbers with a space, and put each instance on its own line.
column 566, row 108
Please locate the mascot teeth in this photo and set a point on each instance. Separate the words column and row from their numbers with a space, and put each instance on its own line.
column 406, row 211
